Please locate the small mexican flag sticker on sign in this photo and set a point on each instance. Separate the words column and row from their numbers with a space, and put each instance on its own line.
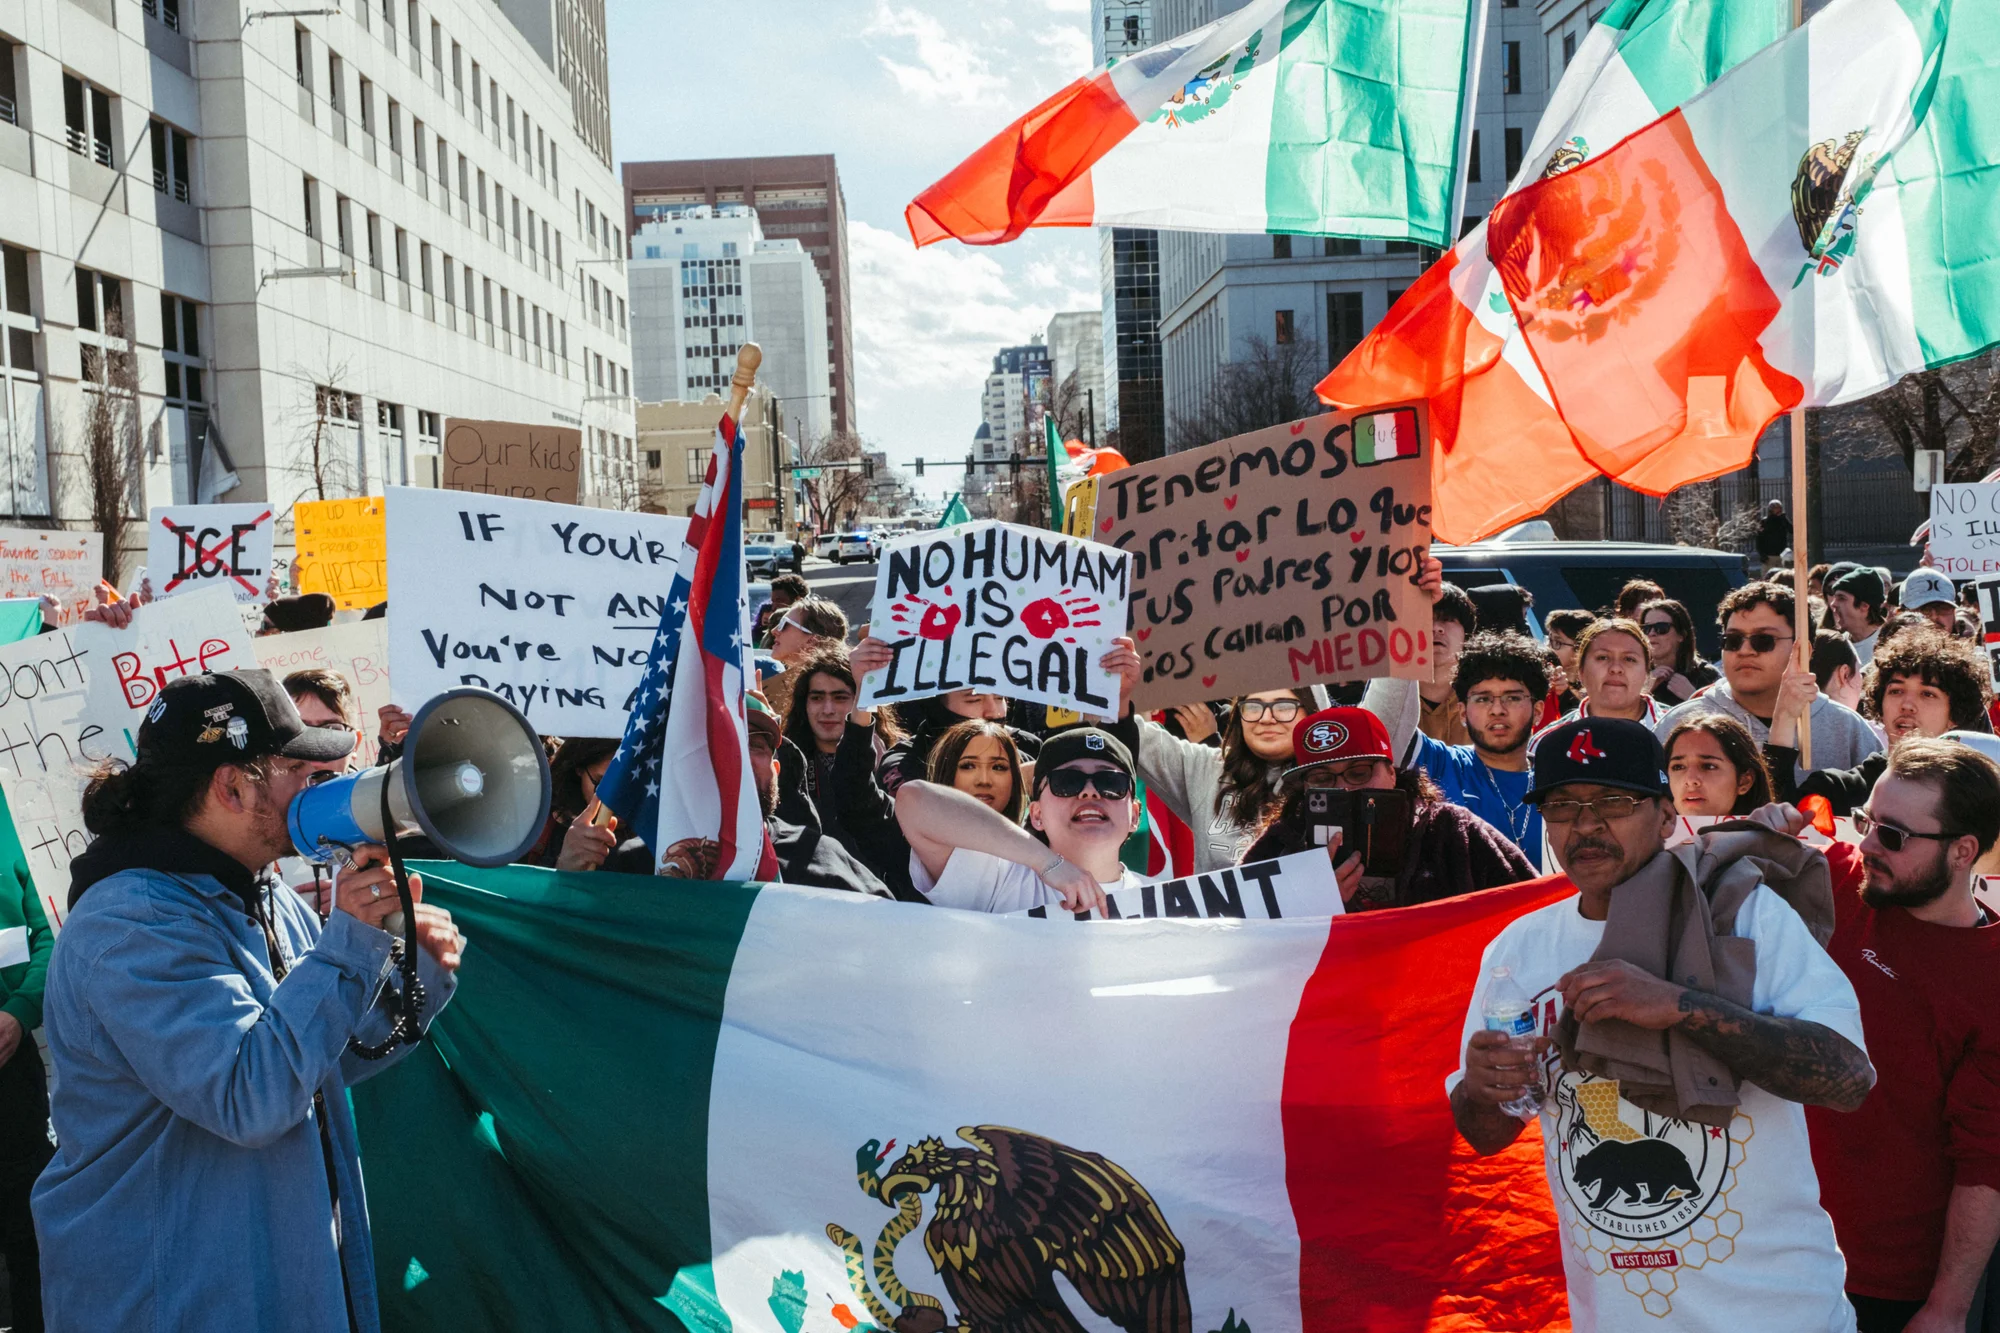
column 1382, row 436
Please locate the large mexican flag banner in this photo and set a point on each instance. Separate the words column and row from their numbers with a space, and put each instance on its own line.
column 655, row 1104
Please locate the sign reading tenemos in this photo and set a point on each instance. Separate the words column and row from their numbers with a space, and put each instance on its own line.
column 553, row 607
column 1965, row 528
column 1002, row 609
column 200, row 546
column 1279, row 558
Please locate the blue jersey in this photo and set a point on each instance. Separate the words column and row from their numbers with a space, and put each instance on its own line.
column 1494, row 794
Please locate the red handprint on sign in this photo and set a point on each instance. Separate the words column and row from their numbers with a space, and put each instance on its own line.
column 936, row 622
column 1045, row 617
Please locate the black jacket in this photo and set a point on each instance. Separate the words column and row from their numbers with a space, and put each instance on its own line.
column 1845, row 789
column 854, row 808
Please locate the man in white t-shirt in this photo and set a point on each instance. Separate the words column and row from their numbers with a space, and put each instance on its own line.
column 967, row 855
column 1667, row 1222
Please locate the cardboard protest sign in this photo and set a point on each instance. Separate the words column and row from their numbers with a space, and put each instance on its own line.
column 343, row 550
column 1001, row 608
column 1965, row 528
column 1295, row 886
column 73, row 698
column 511, row 458
column 358, row 650
column 551, row 606
column 200, row 546
column 1989, row 622
column 1280, row 558
column 65, row 565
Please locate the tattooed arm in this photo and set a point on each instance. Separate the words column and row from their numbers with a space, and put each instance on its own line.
column 1791, row 1058
column 1786, row 1057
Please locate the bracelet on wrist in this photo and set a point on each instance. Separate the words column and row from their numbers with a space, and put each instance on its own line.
column 1052, row 866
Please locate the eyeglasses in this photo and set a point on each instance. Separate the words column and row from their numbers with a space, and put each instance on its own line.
column 1606, row 808
column 1561, row 644
column 1278, row 710
column 1763, row 641
column 1109, row 783
column 1892, row 838
column 1517, row 699
column 1655, row 628
column 1354, row 777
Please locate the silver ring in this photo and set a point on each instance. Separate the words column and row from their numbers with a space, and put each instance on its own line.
column 374, row 890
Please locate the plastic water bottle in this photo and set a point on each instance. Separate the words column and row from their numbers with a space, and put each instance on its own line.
column 1507, row 1008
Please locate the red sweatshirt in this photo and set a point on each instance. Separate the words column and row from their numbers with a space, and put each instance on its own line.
column 1930, row 1005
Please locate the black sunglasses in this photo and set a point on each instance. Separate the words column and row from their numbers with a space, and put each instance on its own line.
column 1110, row 783
column 1894, row 839
column 1763, row 641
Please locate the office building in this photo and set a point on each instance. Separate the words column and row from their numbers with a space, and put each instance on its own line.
column 1129, row 270
column 797, row 197
column 1220, row 292
column 296, row 244
column 1076, row 352
column 676, row 439
column 705, row 280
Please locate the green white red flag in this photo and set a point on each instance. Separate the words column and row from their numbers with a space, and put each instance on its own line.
column 1319, row 117
column 649, row 1109
column 1708, row 230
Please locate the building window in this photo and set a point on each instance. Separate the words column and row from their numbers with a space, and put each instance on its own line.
column 368, row 108
column 478, row 108
column 1343, row 324
column 653, row 459
column 335, row 96
column 1569, row 48
column 87, row 114
column 173, row 168
column 1341, row 247
column 1283, row 334
column 429, row 437
column 23, row 438
column 697, row 466
column 1399, row 248
column 1281, row 247
column 458, row 75
column 9, row 112
column 1514, row 150
column 1510, row 67
column 1472, row 161
column 312, row 211
column 164, row 11
column 100, row 303
column 343, row 230
column 302, row 56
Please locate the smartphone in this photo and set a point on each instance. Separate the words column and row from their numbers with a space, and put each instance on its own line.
column 1373, row 822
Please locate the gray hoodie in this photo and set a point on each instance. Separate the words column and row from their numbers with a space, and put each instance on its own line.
column 1187, row 776
column 1841, row 737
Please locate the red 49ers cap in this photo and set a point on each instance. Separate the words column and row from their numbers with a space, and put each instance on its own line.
column 1336, row 735
column 1601, row 751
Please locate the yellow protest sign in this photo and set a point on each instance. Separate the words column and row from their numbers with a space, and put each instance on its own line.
column 343, row 550
column 1080, row 508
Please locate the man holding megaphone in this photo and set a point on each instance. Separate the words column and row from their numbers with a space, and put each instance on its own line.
column 205, row 1025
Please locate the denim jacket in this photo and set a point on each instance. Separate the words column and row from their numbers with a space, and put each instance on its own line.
column 190, row 1188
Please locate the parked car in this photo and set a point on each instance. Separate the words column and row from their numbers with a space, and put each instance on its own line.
column 766, row 558
column 826, row 544
column 858, row 546
column 1589, row 574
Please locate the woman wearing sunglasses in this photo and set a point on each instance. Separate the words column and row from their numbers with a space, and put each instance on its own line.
column 967, row 855
column 1678, row 670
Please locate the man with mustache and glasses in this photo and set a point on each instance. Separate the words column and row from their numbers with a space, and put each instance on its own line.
column 968, row 856
column 1912, row 1178
column 1758, row 644
column 1680, row 1016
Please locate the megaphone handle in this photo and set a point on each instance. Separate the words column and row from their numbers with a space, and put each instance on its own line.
column 408, row 1023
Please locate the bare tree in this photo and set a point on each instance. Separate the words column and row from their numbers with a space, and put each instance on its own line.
column 1954, row 409
column 324, row 423
column 1071, row 406
column 834, row 497
column 1269, row 383
column 113, row 469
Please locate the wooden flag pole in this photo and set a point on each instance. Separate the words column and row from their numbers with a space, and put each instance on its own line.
column 1801, row 603
column 748, row 357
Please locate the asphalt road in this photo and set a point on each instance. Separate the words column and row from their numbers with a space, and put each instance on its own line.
column 850, row 586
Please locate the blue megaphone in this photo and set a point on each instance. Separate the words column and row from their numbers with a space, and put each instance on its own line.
column 473, row 778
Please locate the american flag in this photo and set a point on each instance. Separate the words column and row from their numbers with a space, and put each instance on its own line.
column 683, row 767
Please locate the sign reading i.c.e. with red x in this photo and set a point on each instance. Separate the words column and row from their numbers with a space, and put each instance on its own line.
column 207, row 546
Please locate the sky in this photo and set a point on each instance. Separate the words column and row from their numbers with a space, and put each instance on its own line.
column 900, row 93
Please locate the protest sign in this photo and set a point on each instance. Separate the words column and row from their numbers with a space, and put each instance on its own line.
column 551, row 606
column 511, row 458
column 1989, row 622
column 1965, row 528
column 73, row 698
column 200, row 546
column 342, row 550
column 1001, row 608
column 1279, row 558
column 358, row 650
column 1296, row 886
column 65, row 565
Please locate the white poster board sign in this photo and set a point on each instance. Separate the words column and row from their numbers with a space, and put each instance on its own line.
column 358, row 650
column 1301, row 885
column 64, row 565
column 1000, row 608
column 73, row 698
column 551, row 606
column 189, row 547
column 1965, row 528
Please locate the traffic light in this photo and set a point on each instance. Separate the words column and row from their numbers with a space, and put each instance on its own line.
column 868, row 468
column 920, row 467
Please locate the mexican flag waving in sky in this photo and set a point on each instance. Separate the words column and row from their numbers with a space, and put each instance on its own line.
column 658, row 1104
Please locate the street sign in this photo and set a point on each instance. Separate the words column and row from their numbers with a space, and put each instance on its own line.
column 805, row 472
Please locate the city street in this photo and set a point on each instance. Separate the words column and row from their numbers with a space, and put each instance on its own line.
column 849, row 586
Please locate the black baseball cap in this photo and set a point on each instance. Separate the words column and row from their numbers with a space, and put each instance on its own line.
column 1066, row 747
column 1602, row 751
column 228, row 717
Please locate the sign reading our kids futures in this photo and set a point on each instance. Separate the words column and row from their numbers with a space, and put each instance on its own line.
column 1002, row 609
column 1280, row 558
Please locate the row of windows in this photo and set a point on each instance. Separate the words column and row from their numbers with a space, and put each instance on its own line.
column 1514, row 143
column 1343, row 324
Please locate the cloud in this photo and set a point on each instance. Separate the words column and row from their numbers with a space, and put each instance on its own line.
column 942, row 67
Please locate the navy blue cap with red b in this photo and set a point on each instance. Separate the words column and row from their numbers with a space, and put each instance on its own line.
column 1602, row 751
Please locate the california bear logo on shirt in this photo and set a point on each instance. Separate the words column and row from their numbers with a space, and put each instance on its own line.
column 1648, row 1181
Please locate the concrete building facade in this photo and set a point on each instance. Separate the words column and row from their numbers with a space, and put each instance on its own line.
column 705, row 280
column 298, row 243
column 797, row 197
column 676, row 439
column 1076, row 347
